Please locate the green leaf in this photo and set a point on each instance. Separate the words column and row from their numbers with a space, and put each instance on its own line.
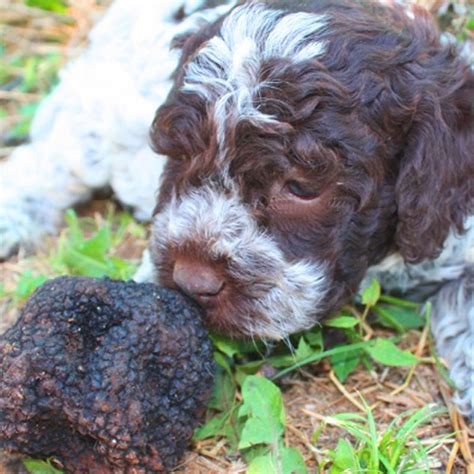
column 317, row 433
column 80, row 263
column 344, row 364
column 222, row 400
column 27, row 283
column 228, row 346
column 91, row 257
column 394, row 450
column 316, row 357
column 258, row 431
column 57, row 6
column 263, row 405
column 262, row 465
column 374, row 458
column 40, row 467
column 223, row 391
column 30, row 74
column 75, row 232
column 408, row 427
column 232, row 431
column 345, row 458
column 303, row 351
column 233, row 347
column 387, row 319
column 242, row 371
column 470, row 23
column 289, row 461
column 212, row 427
column 315, row 339
column 399, row 302
column 342, row 322
column 97, row 246
column 121, row 269
column 292, row 461
column 398, row 318
column 126, row 225
column 387, row 353
column 22, row 128
column 371, row 294
column 223, row 362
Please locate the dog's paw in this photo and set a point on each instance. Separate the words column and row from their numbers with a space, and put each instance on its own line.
column 462, row 373
column 452, row 324
column 23, row 228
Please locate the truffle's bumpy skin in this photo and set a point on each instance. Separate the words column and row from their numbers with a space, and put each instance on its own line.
column 107, row 376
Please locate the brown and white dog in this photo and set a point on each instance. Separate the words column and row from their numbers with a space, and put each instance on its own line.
column 309, row 141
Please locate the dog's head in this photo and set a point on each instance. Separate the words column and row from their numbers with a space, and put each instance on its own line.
column 304, row 145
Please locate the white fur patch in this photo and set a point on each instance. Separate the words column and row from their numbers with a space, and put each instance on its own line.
column 394, row 274
column 452, row 325
column 92, row 131
column 291, row 293
column 226, row 69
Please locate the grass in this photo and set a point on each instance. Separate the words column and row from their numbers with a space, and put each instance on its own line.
column 394, row 450
column 87, row 246
column 458, row 19
column 25, row 78
column 33, row 48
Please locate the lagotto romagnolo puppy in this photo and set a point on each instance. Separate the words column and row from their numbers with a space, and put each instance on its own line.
column 310, row 144
column 309, row 141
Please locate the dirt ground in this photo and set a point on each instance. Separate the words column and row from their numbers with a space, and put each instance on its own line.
column 309, row 393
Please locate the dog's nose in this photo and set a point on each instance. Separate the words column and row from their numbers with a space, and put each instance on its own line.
column 198, row 280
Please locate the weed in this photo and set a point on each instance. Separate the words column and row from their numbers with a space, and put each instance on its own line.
column 395, row 450
column 27, row 283
column 261, row 440
column 40, row 467
column 86, row 247
column 57, row 6
column 28, row 75
column 93, row 256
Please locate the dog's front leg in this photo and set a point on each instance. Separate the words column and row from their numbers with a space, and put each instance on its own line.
column 35, row 189
column 453, row 331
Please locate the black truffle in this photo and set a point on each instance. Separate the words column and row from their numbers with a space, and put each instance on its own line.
column 105, row 376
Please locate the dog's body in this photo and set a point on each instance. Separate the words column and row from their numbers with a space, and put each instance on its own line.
column 309, row 146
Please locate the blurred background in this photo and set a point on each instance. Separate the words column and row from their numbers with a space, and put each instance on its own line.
column 36, row 38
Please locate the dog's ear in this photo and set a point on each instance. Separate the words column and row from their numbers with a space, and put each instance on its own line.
column 435, row 185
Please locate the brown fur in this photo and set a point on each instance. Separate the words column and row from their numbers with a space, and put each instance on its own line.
column 381, row 126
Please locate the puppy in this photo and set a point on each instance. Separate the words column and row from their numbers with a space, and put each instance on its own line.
column 310, row 144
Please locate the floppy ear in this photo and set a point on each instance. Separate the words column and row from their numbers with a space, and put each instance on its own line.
column 435, row 185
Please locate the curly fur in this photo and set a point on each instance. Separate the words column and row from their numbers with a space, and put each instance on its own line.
column 362, row 104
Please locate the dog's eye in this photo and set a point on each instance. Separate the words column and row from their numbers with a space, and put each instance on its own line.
column 301, row 190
